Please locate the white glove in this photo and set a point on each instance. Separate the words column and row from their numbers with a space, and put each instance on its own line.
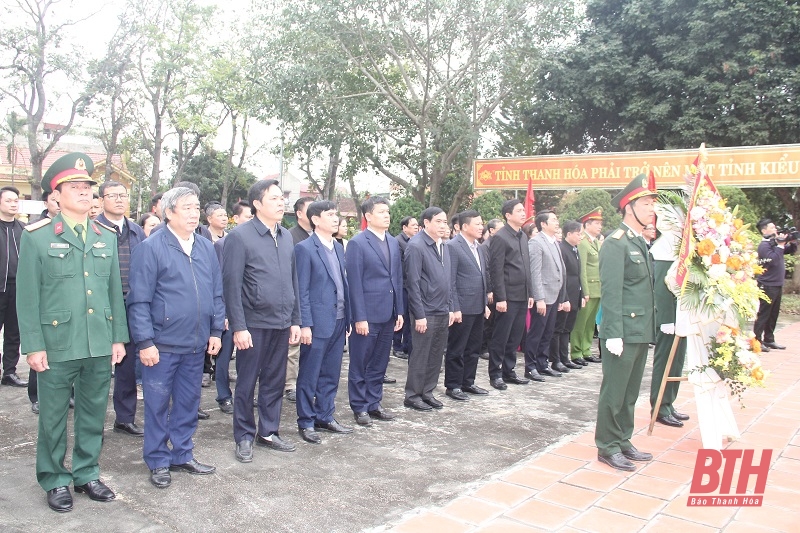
column 668, row 329
column 614, row 346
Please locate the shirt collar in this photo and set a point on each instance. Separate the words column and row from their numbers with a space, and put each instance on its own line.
column 381, row 236
column 71, row 223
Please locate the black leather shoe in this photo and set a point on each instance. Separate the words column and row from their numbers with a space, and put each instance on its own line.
column 96, row 490
column 202, row 415
column 617, row 461
column 160, row 477
column 580, row 361
column 593, row 359
column 558, row 367
column 276, row 443
column 534, row 376
column 35, row 408
column 516, row 380
column 680, row 416
column 291, row 395
column 498, row 384
column 765, row 348
column 418, row 405
column 457, row 394
column 309, row 435
column 551, row 373
column 244, row 451
column 226, row 406
column 128, row 427
column 13, row 380
column 388, row 380
column 770, row 345
column 194, row 467
column 333, row 427
column 400, row 354
column 362, row 418
column 381, row 414
column 433, row 402
column 573, row 366
column 669, row 420
column 474, row 389
column 59, row 499
column 632, row 454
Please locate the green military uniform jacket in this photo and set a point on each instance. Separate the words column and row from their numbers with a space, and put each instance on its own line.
column 70, row 293
column 626, row 274
column 589, row 251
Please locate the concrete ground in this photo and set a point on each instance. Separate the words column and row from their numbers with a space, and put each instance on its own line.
column 370, row 480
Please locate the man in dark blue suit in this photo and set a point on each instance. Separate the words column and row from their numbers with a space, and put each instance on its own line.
column 375, row 276
column 469, row 266
column 324, row 321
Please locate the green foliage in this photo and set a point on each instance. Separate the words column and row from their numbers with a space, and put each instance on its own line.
column 766, row 204
column 403, row 207
column 206, row 170
column 734, row 196
column 576, row 204
column 489, row 205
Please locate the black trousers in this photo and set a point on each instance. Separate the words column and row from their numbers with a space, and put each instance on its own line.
column 537, row 342
column 767, row 316
column 508, row 330
column 559, row 344
column 8, row 321
column 125, row 386
column 463, row 342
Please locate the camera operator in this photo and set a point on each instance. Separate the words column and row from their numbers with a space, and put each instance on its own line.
column 771, row 253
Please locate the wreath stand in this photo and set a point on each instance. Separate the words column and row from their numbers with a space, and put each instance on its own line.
column 664, row 379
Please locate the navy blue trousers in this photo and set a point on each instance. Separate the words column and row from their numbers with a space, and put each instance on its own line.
column 369, row 357
column 176, row 377
column 222, row 368
column 125, row 386
column 266, row 363
column 318, row 377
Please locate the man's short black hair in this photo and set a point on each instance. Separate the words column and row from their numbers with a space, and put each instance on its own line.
column 492, row 224
column 317, row 208
column 46, row 195
column 370, row 203
column 763, row 223
column 240, row 206
column 429, row 213
column 508, row 207
column 257, row 190
column 570, row 226
column 154, row 200
column 301, row 202
column 405, row 221
column 454, row 221
column 8, row 188
column 95, row 196
column 542, row 218
column 109, row 184
column 465, row 217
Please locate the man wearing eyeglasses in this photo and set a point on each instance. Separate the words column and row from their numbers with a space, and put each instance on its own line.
column 115, row 200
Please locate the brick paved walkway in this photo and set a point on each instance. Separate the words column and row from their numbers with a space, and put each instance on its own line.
column 566, row 489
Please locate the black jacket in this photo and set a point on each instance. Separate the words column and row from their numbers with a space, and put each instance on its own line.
column 430, row 284
column 509, row 266
column 572, row 267
column 9, row 246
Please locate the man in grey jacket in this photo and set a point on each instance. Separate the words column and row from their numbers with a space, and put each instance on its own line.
column 262, row 300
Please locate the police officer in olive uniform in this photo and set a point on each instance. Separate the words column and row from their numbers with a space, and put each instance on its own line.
column 580, row 339
column 73, row 327
column 627, row 326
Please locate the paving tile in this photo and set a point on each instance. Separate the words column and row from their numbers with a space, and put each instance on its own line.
column 746, row 527
column 532, row 477
column 590, row 479
column 791, row 452
column 542, row 514
column 569, row 496
column 785, row 464
column 670, row 524
column 631, row 503
column 688, row 445
column 657, row 469
column 605, row 521
column 796, row 440
column 472, row 510
column 654, row 444
column 576, row 451
column 597, row 466
column 433, row 523
column 766, row 515
column 765, row 426
column 504, row 494
column 556, row 463
column 710, row 516
column 503, row 525
column 782, row 498
column 782, row 480
column 586, row 438
column 650, row 486
column 679, row 458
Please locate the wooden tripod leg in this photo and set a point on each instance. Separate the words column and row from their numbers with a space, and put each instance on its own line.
column 664, row 380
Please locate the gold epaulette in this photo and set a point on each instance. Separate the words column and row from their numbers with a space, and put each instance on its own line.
column 109, row 228
column 618, row 234
column 40, row 224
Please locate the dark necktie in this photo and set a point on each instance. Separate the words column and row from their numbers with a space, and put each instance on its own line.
column 79, row 231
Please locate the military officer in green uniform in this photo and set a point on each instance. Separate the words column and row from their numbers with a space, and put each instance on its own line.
column 580, row 339
column 73, row 327
column 664, row 253
column 627, row 326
